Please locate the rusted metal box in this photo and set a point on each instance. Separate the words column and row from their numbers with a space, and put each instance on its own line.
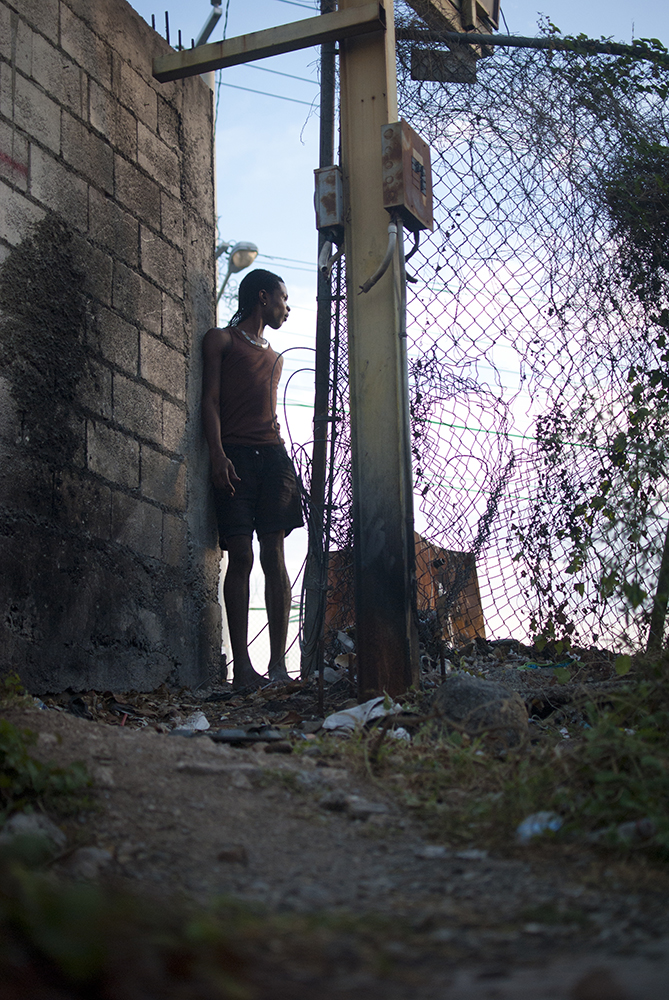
column 407, row 176
column 329, row 201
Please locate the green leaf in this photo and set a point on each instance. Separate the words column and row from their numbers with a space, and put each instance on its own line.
column 563, row 675
column 623, row 665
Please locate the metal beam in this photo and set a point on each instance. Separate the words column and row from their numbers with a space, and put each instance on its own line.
column 385, row 638
column 362, row 19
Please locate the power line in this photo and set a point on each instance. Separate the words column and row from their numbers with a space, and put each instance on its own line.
column 276, row 72
column 269, row 256
column 264, row 93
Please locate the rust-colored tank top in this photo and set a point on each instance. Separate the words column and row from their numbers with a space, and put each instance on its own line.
column 249, row 379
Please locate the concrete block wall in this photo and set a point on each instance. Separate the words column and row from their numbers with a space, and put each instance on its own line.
column 107, row 542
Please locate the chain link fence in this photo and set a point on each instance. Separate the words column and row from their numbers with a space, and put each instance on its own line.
column 537, row 316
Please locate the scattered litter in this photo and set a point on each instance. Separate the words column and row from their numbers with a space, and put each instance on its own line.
column 182, row 731
column 39, row 703
column 400, row 734
column 347, row 643
column 564, row 733
column 77, row 706
column 536, row 824
column 356, row 717
column 198, row 721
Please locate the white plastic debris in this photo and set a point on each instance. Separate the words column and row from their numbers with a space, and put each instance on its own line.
column 400, row 734
column 536, row 824
column 358, row 715
column 347, row 643
column 196, row 721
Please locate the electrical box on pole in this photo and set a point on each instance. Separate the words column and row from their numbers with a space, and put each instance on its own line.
column 407, row 176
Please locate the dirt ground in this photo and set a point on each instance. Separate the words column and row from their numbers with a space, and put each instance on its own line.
column 187, row 817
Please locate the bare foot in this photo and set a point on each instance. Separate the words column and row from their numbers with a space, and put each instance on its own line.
column 246, row 676
column 279, row 674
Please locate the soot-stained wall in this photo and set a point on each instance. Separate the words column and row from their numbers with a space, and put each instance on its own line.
column 108, row 561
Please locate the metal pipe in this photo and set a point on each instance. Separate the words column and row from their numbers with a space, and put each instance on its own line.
column 210, row 24
column 315, row 574
column 385, row 263
column 586, row 46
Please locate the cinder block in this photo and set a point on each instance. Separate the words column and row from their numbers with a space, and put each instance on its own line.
column 97, row 266
column 95, row 390
column 132, row 91
column 89, row 154
column 162, row 262
column 171, row 219
column 112, row 120
column 200, row 271
column 84, row 504
column 137, row 525
column 17, row 214
column 175, row 541
column 59, row 76
column 137, row 299
column 138, row 409
column 13, row 156
column 32, row 110
column 16, row 40
column 159, row 160
column 123, row 29
column 137, row 191
column 163, row 478
column 116, row 340
column 174, row 323
column 168, row 124
column 41, row 14
column 112, row 455
column 115, row 230
column 197, row 145
column 58, row 188
column 86, row 48
column 162, row 366
column 174, row 427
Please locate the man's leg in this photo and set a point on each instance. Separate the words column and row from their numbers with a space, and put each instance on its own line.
column 236, row 596
column 277, row 601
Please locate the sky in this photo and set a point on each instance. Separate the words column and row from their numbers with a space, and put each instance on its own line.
column 267, row 149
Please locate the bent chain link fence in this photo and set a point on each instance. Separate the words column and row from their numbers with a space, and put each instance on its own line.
column 537, row 311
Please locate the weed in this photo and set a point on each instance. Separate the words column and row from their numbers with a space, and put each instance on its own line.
column 613, row 768
column 25, row 781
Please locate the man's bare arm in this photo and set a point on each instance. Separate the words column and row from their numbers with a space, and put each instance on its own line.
column 215, row 347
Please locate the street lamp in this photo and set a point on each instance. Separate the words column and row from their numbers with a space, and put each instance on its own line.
column 240, row 256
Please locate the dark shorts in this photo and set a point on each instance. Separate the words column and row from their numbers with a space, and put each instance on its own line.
column 268, row 497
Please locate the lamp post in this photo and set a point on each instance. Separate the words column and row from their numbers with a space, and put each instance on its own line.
column 240, row 256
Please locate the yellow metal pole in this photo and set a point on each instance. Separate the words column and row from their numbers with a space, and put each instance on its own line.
column 386, row 641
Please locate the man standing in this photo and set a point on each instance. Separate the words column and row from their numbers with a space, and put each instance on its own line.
column 255, row 486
